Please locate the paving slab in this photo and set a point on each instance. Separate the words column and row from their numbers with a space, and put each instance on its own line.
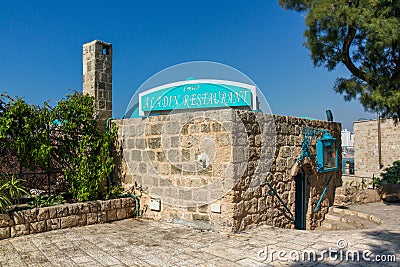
column 141, row 242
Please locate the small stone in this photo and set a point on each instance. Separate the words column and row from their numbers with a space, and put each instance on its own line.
column 83, row 208
column 155, row 129
column 53, row 224
column 73, row 209
column 205, row 128
column 203, row 209
column 136, row 155
column 62, row 211
column 37, row 227
column 121, row 214
column 171, row 128
column 18, row 230
column 102, row 217
column 105, row 205
column 5, row 220
column 30, row 215
column 130, row 212
column 115, row 203
column 92, row 218
column 18, row 217
column 216, row 127
column 5, row 232
column 185, row 194
column 52, row 212
column 93, row 206
column 223, row 140
column 154, row 143
column 111, row 215
column 127, row 202
column 43, row 214
column 70, row 221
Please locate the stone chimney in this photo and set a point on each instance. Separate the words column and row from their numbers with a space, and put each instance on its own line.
column 97, row 77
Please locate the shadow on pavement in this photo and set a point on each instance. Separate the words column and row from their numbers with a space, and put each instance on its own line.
column 384, row 250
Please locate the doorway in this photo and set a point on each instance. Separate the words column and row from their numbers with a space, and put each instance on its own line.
column 301, row 201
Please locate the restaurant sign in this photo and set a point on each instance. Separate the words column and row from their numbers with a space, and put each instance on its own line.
column 197, row 94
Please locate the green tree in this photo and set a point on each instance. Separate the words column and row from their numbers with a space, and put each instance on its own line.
column 81, row 147
column 23, row 130
column 65, row 139
column 364, row 36
column 391, row 175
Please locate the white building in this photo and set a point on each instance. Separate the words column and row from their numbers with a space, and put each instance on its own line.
column 347, row 138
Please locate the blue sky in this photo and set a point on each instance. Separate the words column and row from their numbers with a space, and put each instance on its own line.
column 41, row 49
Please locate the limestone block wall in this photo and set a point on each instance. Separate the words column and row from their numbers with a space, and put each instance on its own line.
column 39, row 220
column 257, row 206
column 366, row 163
column 97, row 77
column 239, row 151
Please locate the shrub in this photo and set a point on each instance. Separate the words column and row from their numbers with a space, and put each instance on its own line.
column 66, row 139
column 391, row 175
column 10, row 192
column 42, row 201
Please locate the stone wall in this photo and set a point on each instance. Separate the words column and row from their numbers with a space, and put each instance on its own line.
column 238, row 150
column 366, row 163
column 348, row 195
column 39, row 220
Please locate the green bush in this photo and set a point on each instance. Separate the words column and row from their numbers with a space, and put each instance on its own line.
column 391, row 175
column 66, row 139
column 83, row 148
column 42, row 201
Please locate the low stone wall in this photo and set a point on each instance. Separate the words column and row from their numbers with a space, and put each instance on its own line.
column 347, row 195
column 39, row 220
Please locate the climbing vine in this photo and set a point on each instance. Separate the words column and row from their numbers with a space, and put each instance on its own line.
column 67, row 135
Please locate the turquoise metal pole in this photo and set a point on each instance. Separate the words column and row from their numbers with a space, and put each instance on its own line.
column 323, row 194
column 279, row 198
column 109, row 177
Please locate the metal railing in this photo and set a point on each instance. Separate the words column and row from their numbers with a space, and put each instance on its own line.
column 274, row 192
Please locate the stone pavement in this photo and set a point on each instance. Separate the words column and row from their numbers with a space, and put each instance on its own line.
column 140, row 242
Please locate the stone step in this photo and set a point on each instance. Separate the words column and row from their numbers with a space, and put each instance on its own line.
column 332, row 216
column 356, row 213
column 336, row 225
column 346, row 219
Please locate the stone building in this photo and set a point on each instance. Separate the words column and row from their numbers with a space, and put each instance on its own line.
column 160, row 157
column 374, row 151
column 347, row 138
column 97, row 77
column 223, row 168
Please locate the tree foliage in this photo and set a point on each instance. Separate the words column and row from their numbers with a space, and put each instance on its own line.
column 364, row 36
column 391, row 175
column 67, row 136
column 23, row 129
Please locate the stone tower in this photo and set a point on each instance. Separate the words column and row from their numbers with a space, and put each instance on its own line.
column 97, row 77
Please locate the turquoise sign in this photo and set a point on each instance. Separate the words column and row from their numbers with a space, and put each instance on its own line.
column 195, row 94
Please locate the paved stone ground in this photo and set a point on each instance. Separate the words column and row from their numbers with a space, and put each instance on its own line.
column 141, row 242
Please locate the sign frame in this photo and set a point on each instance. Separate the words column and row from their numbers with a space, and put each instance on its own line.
column 251, row 88
column 327, row 154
